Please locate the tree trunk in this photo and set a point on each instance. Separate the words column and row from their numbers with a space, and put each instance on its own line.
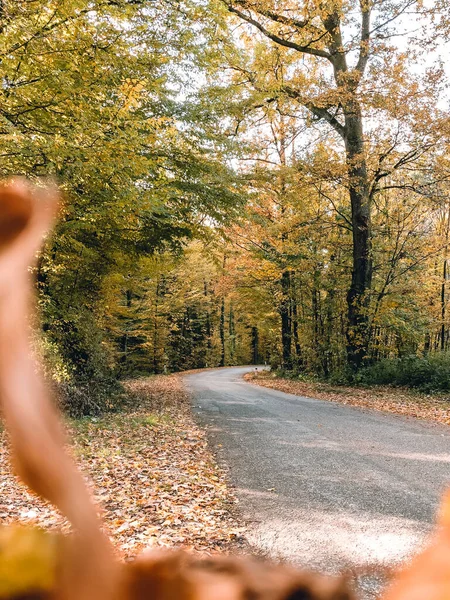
column 231, row 332
column 286, row 326
column 443, row 286
column 156, row 328
column 328, row 353
column 443, row 305
column 427, row 344
column 255, row 346
column 124, row 339
column 357, row 296
column 297, row 347
column 208, row 316
column 222, row 333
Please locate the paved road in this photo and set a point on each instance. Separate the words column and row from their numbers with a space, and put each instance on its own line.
column 322, row 484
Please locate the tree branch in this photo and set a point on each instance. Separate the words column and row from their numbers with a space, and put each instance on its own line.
column 275, row 16
column 365, row 36
column 277, row 39
column 319, row 112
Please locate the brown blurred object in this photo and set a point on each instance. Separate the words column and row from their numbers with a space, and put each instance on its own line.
column 86, row 568
column 14, row 215
column 168, row 575
column 428, row 575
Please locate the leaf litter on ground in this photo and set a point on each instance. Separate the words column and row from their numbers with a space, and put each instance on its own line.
column 402, row 401
column 150, row 471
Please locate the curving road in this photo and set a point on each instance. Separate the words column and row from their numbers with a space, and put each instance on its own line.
column 322, row 484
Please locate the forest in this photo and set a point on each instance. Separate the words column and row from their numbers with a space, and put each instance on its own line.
column 244, row 182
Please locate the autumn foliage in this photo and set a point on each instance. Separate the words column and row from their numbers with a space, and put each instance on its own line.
column 243, row 181
column 274, row 189
column 83, row 564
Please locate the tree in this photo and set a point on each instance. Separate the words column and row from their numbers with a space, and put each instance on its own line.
column 331, row 59
column 89, row 98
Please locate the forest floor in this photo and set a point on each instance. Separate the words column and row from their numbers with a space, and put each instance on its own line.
column 432, row 407
column 150, row 471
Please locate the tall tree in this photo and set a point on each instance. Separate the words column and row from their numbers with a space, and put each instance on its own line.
column 89, row 98
column 332, row 58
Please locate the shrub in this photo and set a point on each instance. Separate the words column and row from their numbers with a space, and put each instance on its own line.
column 427, row 373
column 77, row 362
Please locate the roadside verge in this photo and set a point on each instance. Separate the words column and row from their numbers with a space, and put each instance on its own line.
column 380, row 398
column 151, row 472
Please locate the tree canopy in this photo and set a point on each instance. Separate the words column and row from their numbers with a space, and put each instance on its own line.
column 244, row 181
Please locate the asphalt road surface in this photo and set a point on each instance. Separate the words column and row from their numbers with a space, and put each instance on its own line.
column 324, row 485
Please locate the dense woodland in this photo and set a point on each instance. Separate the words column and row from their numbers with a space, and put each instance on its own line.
column 244, row 181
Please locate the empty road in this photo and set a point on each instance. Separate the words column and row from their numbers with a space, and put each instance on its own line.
column 321, row 484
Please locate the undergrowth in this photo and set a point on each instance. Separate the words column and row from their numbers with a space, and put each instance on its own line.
column 430, row 373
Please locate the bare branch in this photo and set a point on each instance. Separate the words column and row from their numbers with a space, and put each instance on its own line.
column 319, row 112
column 277, row 39
column 335, row 208
column 396, row 15
column 412, row 155
column 275, row 16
